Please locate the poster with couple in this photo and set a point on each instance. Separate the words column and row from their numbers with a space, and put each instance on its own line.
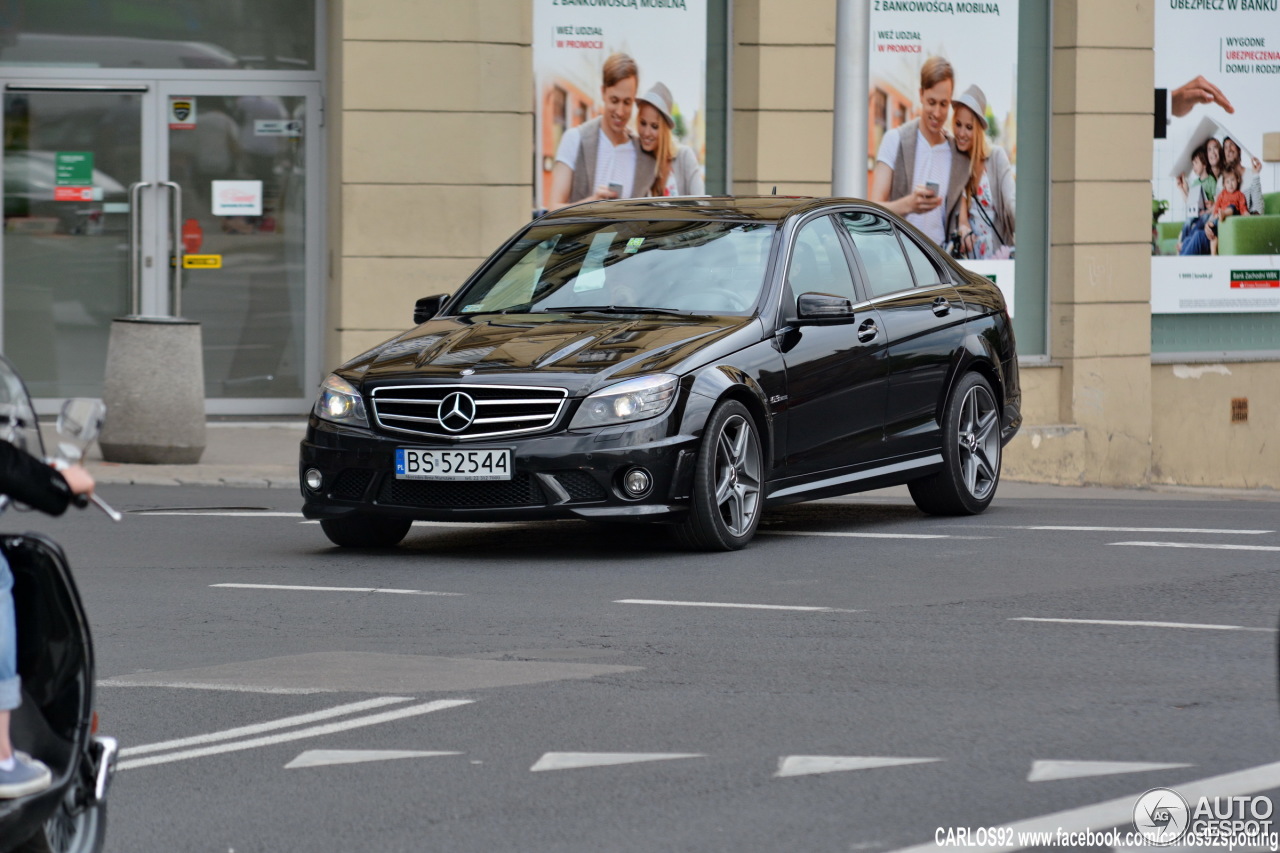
column 1215, row 186
column 975, row 45
column 572, row 45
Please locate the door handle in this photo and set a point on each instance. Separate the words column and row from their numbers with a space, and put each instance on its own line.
column 135, row 244
column 868, row 331
column 175, row 217
column 941, row 306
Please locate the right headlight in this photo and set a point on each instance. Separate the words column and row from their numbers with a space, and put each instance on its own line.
column 340, row 402
column 632, row 400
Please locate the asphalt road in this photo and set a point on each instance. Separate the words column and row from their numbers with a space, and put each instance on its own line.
column 859, row 678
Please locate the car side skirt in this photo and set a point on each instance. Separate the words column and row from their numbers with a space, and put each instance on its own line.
column 891, row 474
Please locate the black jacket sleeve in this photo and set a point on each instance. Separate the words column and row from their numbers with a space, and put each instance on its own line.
column 25, row 478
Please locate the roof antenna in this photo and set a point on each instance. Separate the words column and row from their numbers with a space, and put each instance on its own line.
column 775, row 189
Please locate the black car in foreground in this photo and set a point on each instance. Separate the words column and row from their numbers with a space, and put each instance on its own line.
column 685, row 361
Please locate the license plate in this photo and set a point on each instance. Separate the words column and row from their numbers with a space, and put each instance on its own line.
column 415, row 464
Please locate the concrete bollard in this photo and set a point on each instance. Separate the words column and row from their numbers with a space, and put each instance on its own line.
column 154, row 391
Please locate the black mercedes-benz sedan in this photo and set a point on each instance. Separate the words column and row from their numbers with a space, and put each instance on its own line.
column 684, row 361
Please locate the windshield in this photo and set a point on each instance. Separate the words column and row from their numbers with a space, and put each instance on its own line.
column 663, row 265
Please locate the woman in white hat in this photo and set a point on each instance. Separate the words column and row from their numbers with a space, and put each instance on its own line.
column 984, row 219
column 678, row 170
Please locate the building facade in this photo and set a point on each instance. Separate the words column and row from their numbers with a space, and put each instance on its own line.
column 384, row 147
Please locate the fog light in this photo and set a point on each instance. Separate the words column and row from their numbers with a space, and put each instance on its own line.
column 313, row 479
column 637, row 482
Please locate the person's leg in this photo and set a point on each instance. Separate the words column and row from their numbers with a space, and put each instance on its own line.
column 10, row 684
column 20, row 775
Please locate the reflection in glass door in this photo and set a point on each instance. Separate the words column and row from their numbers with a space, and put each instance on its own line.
column 69, row 159
column 163, row 197
column 241, row 164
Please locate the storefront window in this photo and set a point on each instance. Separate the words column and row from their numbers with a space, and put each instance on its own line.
column 189, row 34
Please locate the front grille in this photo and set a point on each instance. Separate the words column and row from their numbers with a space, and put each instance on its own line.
column 580, row 485
column 518, row 491
column 478, row 411
column 351, row 484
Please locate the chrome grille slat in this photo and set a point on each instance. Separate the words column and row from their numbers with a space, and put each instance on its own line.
column 416, row 409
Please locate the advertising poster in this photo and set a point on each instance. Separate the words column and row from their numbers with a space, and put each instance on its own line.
column 1215, row 187
column 980, row 41
column 572, row 39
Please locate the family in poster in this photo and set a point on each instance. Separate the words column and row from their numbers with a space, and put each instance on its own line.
column 1214, row 200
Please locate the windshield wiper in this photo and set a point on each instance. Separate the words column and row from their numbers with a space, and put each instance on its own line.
column 610, row 309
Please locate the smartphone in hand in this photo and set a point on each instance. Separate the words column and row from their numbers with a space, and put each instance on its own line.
column 932, row 187
column 616, row 189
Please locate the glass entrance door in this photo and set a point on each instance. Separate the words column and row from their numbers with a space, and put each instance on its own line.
column 70, row 157
column 164, row 197
column 244, row 161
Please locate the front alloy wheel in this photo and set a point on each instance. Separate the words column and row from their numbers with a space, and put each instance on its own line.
column 970, row 453
column 726, row 503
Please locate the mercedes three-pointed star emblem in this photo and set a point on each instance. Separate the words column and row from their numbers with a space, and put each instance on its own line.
column 457, row 411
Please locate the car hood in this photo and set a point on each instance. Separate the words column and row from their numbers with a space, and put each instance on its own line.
column 580, row 351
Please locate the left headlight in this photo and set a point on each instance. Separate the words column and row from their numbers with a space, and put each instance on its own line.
column 340, row 402
column 633, row 400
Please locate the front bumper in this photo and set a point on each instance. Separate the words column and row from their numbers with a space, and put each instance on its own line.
column 561, row 475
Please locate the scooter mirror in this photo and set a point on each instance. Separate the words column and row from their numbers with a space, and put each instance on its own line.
column 79, row 423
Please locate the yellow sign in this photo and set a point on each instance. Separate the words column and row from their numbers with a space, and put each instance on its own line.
column 202, row 262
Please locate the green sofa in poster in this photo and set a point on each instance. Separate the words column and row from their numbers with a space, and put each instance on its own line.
column 1238, row 235
column 1252, row 235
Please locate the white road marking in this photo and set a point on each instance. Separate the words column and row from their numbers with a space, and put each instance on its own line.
column 1119, row 811
column 1090, row 529
column 1133, row 623
column 272, row 725
column 300, row 734
column 806, row 765
column 1206, row 545
column 326, row 757
column 1048, row 771
column 851, row 535
column 575, row 760
column 387, row 590
column 219, row 514
column 726, row 604
column 230, row 688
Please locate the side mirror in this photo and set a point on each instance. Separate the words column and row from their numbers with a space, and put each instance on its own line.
column 818, row 307
column 428, row 306
column 79, row 423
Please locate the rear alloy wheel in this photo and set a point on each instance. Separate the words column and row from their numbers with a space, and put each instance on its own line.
column 970, row 453
column 365, row 531
column 726, row 503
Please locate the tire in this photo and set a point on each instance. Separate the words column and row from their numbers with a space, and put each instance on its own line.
column 971, row 453
column 67, row 833
column 365, row 531
column 728, row 496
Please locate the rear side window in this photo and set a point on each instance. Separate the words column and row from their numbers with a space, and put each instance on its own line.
column 881, row 255
column 926, row 272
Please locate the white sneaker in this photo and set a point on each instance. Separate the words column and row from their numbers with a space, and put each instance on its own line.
column 28, row 776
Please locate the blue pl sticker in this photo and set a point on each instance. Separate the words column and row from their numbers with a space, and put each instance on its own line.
column 399, row 460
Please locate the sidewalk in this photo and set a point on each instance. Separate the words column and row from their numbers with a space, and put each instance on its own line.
column 263, row 453
column 256, row 452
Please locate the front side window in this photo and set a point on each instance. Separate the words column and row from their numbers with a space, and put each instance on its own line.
column 690, row 267
column 881, row 254
column 818, row 262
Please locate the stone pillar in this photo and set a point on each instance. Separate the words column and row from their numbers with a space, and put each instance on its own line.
column 154, row 392
column 1100, row 255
